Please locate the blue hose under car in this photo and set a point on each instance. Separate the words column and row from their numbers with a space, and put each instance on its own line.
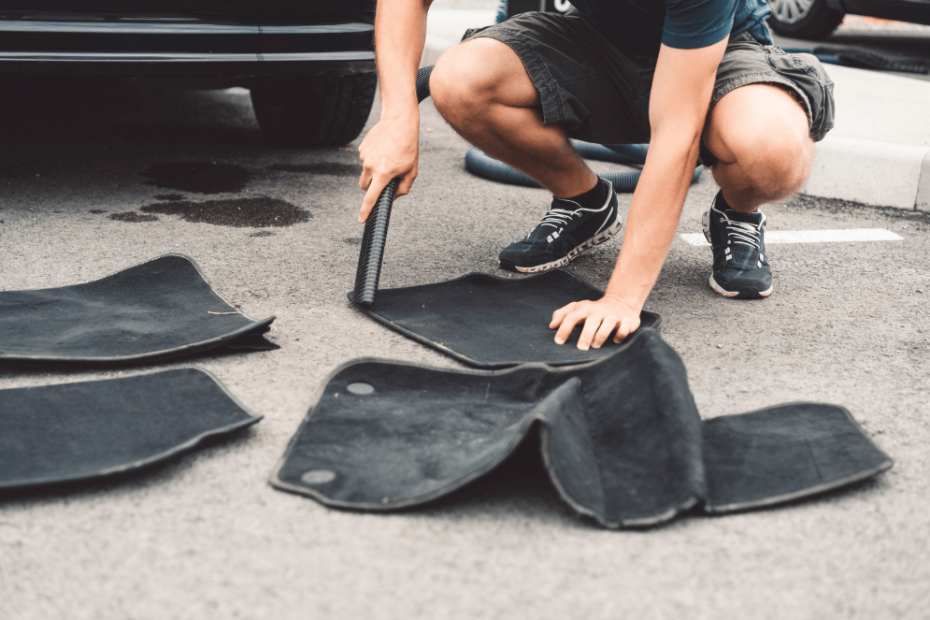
column 483, row 165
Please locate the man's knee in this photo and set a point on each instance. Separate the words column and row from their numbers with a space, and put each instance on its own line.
column 765, row 130
column 458, row 84
column 776, row 156
column 473, row 75
column 781, row 158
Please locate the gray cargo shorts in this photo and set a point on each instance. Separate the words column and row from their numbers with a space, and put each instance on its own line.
column 599, row 93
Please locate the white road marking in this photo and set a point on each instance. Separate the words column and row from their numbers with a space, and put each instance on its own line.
column 813, row 236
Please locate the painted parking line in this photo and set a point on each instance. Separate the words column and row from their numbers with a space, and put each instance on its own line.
column 845, row 235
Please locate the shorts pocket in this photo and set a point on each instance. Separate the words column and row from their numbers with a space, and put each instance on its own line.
column 809, row 76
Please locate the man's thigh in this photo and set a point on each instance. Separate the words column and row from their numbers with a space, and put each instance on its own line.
column 589, row 87
column 483, row 70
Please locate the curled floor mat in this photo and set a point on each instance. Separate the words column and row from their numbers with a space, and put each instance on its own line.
column 621, row 438
column 492, row 322
column 160, row 309
column 78, row 431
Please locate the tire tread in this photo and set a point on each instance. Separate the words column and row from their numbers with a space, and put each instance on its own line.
column 316, row 110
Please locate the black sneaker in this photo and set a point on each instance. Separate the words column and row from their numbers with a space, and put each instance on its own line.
column 738, row 242
column 565, row 232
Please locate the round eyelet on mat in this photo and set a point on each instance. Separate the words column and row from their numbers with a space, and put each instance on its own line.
column 318, row 476
column 361, row 389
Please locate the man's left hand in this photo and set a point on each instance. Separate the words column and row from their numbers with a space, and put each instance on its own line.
column 601, row 318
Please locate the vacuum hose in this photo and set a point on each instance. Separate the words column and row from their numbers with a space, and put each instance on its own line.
column 376, row 227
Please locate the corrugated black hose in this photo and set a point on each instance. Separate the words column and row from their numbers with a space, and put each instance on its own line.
column 376, row 227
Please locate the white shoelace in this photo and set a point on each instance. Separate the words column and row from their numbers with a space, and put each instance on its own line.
column 744, row 233
column 558, row 217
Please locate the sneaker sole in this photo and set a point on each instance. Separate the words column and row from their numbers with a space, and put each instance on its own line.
column 587, row 245
column 748, row 292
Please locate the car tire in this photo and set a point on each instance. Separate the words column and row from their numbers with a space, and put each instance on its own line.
column 322, row 110
column 803, row 19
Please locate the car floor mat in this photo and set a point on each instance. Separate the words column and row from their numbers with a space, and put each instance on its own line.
column 93, row 429
column 492, row 322
column 621, row 438
column 161, row 309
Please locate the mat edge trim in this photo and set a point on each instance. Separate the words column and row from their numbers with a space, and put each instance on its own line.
column 153, row 460
column 813, row 491
column 193, row 347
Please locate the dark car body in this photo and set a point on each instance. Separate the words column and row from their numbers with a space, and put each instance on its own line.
column 917, row 11
column 309, row 64
column 210, row 38
column 815, row 19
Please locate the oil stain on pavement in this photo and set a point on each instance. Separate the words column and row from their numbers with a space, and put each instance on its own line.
column 170, row 197
column 257, row 212
column 198, row 177
column 132, row 216
column 325, row 168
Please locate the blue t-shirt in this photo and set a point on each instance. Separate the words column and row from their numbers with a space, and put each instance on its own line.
column 639, row 26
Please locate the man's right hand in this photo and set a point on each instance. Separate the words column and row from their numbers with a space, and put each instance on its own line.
column 390, row 150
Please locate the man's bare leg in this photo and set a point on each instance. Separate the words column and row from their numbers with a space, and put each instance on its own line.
column 483, row 91
column 760, row 135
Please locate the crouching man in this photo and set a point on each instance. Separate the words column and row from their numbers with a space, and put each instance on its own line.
column 694, row 78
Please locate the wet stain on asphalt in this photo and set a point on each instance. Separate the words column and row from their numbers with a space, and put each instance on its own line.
column 262, row 233
column 198, row 177
column 328, row 168
column 171, row 197
column 132, row 216
column 257, row 212
column 96, row 211
column 353, row 240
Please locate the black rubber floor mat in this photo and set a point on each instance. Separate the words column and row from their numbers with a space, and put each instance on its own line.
column 160, row 309
column 491, row 322
column 621, row 438
column 92, row 429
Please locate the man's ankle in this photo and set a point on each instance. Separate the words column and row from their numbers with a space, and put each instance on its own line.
column 594, row 198
column 732, row 200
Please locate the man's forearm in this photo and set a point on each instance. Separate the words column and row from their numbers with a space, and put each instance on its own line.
column 400, row 34
column 390, row 149
column 653, row 217
column 678, row 105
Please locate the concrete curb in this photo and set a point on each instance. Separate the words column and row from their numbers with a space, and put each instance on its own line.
column 886, row 174
column 877, row 154
column 923, row 186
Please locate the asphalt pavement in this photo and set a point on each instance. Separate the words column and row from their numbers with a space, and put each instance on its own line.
column 206, row 537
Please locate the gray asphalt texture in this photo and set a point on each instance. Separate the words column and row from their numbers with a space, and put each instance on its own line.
column 206, row 537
